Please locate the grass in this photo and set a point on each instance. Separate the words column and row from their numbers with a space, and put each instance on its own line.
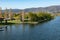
column 14, row 21
column 10, row 22
column 18, row 21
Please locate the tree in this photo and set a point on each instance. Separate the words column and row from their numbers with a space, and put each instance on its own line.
column 32, row 16
column 1, row 18
column 0, row 12
column 10, row 14
column 6, row 13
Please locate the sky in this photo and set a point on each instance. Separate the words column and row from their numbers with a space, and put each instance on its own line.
column 22, row 4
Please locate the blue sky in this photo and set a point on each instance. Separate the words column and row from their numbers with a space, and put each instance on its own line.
column 22, row 4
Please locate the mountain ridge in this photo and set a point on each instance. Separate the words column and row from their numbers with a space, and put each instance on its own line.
column 53, row 9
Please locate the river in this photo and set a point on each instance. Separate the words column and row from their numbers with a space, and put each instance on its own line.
column 44, row 31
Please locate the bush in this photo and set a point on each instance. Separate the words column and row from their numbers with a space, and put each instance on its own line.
column 39, row 16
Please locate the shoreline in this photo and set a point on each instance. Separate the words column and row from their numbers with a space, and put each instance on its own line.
column 19, row 22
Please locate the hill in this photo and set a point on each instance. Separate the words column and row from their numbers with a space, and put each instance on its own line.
column 53, row 9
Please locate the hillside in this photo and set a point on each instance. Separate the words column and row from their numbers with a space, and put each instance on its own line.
column 53, row 9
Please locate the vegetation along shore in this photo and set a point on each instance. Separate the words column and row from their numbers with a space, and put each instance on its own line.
column 22, row 17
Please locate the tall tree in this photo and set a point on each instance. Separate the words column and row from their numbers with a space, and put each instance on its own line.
column 10, row 13
column 22, row 16
column 6, row 13
column 33, row 16
column 0, row 12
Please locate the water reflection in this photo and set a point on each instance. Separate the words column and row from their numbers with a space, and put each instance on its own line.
column 32, row 25
column 6, row 28
column 5, row 33
column 23, row 28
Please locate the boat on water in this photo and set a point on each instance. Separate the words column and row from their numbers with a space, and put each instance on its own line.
column 2, row 28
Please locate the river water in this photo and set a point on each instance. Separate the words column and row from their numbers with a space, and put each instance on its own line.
column 44, row 31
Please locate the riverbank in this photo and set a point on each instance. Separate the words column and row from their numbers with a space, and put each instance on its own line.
column 19, row 22
column 31, row 18
column 9, row 22
column 28, row 22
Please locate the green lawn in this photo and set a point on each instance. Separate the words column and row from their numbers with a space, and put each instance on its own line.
column 18, row 21
column 14, row 21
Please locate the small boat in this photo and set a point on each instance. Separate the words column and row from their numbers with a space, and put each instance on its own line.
column 1, row 27
column 1, row 30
